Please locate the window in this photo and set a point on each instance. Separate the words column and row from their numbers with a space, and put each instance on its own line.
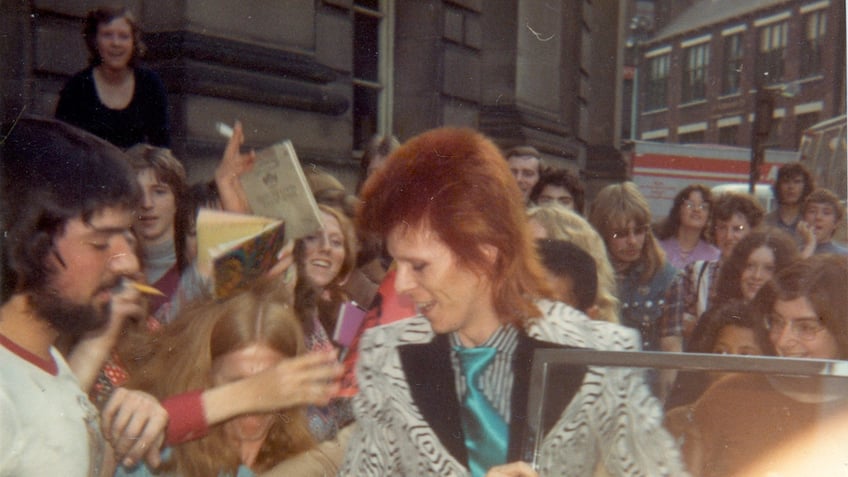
column 732, row 64
column 743, row 390
column 694, row 85
column 729, row 135
column 804, row 122
column 772, row 45
column 815, row 25
column 657, row 82
column 694, row 137
column 370, row 70
column 776, row 133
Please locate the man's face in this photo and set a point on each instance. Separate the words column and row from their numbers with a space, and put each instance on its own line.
column 625, row 244
column 822, row 217
column 556, row 194
column 451, row 296
column 526, row 172
column 791, row 190
column 88, row 260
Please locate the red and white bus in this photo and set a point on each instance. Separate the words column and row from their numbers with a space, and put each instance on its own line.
column 661, row 170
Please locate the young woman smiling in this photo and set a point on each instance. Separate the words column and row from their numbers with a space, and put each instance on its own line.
column 114, row 98
column 324, row 260
column 743, row 418
column 753, row 262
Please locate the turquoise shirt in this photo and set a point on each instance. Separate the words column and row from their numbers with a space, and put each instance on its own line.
column 142, row 470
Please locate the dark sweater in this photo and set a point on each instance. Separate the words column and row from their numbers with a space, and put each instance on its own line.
column 145, row 119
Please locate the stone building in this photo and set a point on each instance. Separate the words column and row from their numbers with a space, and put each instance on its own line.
column 329, row 73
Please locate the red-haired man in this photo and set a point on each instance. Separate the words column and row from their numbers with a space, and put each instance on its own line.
column 453, row 219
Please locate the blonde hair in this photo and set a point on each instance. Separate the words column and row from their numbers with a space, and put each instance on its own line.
column 617, row 204
column 185, row 352
column 561, row 223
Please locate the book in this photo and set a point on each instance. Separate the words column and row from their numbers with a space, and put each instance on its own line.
column 350, row 319
column 276, row 187
column 234, row 249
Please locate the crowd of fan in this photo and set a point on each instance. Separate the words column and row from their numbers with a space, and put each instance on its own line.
column 189, row 384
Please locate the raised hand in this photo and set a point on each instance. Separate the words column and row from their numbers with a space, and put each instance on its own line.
column 233, row 164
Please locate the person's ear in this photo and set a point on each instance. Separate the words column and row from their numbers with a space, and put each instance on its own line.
column 490, row 252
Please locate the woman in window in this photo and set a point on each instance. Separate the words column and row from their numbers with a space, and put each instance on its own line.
column 114, row 97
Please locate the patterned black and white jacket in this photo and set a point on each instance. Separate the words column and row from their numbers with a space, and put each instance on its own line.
column 407, row 409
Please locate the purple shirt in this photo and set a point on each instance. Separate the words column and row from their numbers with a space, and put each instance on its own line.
column 679, row 259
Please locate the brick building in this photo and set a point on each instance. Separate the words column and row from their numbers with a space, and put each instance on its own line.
column 702, row 69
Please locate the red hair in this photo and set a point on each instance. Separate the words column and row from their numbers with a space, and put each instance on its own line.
column 457, row 183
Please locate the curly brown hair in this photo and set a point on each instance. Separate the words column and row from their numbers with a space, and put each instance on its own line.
column 671, row 224
column 779, row 242
column 102, row 15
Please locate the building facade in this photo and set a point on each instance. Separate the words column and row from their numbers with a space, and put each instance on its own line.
column 328, row 74
column 703, row 68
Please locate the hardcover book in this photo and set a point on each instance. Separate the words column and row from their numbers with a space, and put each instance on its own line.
column 276, row 187
column 234, row 249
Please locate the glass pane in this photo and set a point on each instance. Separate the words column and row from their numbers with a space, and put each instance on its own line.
column 372, row 4
column 365, row 110
column 366, row 52
column 727, row 415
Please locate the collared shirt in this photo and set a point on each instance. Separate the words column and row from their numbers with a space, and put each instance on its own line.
column 688, row 297
column 497, row 379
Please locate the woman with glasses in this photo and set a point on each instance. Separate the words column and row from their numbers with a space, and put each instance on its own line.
column 683, row 233
column 743, row 418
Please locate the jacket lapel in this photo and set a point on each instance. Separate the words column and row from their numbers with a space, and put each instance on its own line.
column 559, row 394
column 431, row 381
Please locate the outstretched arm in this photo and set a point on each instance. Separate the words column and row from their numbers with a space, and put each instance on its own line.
column 308, row 379
column 513, row 469
column 137, row 425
